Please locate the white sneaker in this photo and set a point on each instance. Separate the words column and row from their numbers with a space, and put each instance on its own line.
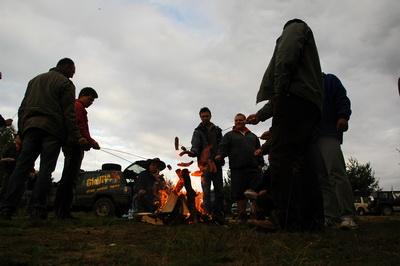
column 250, row 194
column 348, row 224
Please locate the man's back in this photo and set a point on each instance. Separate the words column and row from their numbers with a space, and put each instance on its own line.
column 294, row 67
column 47, row 104
column 336, row 105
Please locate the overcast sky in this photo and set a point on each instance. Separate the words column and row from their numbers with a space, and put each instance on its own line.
column 155, row 63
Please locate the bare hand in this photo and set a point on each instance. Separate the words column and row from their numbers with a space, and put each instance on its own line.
column 342, row 125
column 218, row 158
column 82, row 141
column 258, row 152
column 96, row 146
column 252, row 119
column 266, row 135
column 18, row 143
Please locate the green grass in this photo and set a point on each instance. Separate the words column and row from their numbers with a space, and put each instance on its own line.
column 97, row 241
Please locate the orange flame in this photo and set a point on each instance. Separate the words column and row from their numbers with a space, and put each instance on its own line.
column 197, row 173
column 164, row 194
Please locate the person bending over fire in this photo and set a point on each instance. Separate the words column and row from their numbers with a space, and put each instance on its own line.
column 149, row 182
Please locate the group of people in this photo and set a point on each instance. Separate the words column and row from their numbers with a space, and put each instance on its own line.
column 305, row 185
column 49, row 119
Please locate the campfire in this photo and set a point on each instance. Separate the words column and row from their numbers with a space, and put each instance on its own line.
column 177, row 206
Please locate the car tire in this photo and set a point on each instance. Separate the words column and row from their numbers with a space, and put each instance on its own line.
column 104, row 207
column 360, row 211
column 111, row 166
column 387, row 210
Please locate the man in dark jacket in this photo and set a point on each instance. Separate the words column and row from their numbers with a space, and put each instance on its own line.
column 205, row 140
column 74, row 155
column 292, row 85
column 240, row 146
column 46, row 120
column 335, row 185
column 148, row 184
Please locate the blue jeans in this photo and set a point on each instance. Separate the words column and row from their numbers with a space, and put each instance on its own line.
column 35, row 142
column 217, row 180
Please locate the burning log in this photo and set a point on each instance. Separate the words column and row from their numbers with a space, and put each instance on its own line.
column 184, row 181
column 170, row 203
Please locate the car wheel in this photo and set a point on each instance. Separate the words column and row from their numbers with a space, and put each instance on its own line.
column 111, row 166
column 104, row 207
column 360, row 211
column 387, row 210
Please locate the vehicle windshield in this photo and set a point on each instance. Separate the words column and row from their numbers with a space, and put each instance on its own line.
column 137, row 169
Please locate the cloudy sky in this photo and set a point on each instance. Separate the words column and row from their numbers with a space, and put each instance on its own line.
column 156, row 63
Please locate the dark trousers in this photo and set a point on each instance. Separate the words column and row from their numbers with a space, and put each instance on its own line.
column 243, row 179
column 145, row 203
column 294, row 183
column 217, row 180
column 72, row 164
column 35, row 142
column 6, row 169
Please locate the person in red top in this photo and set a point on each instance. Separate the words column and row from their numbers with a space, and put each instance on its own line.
column 74, row 155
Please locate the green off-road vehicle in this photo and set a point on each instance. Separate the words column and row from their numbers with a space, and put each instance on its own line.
column 107, row 191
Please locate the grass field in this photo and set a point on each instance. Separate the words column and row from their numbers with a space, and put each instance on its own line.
column 111, row 241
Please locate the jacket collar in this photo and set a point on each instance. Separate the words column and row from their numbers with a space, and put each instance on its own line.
column 56, row 70
column 80, row 103
column 244, row 132
column 201, row 126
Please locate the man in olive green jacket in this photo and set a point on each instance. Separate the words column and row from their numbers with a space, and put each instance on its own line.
column 46, row 121
column 293, row 87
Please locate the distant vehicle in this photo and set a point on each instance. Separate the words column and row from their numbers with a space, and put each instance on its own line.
column 385, row 202
column 107, row 192
column 361, row 204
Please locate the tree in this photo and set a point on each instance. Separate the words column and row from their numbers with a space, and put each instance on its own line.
column 7, row 142
column 7, row 150
column 362, row 177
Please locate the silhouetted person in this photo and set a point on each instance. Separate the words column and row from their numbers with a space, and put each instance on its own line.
column 148, row 184
column 239, row 145
column 335, row 185
column 73, row 154
column 205, row 140
column 292, row 85
column 46, row 121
